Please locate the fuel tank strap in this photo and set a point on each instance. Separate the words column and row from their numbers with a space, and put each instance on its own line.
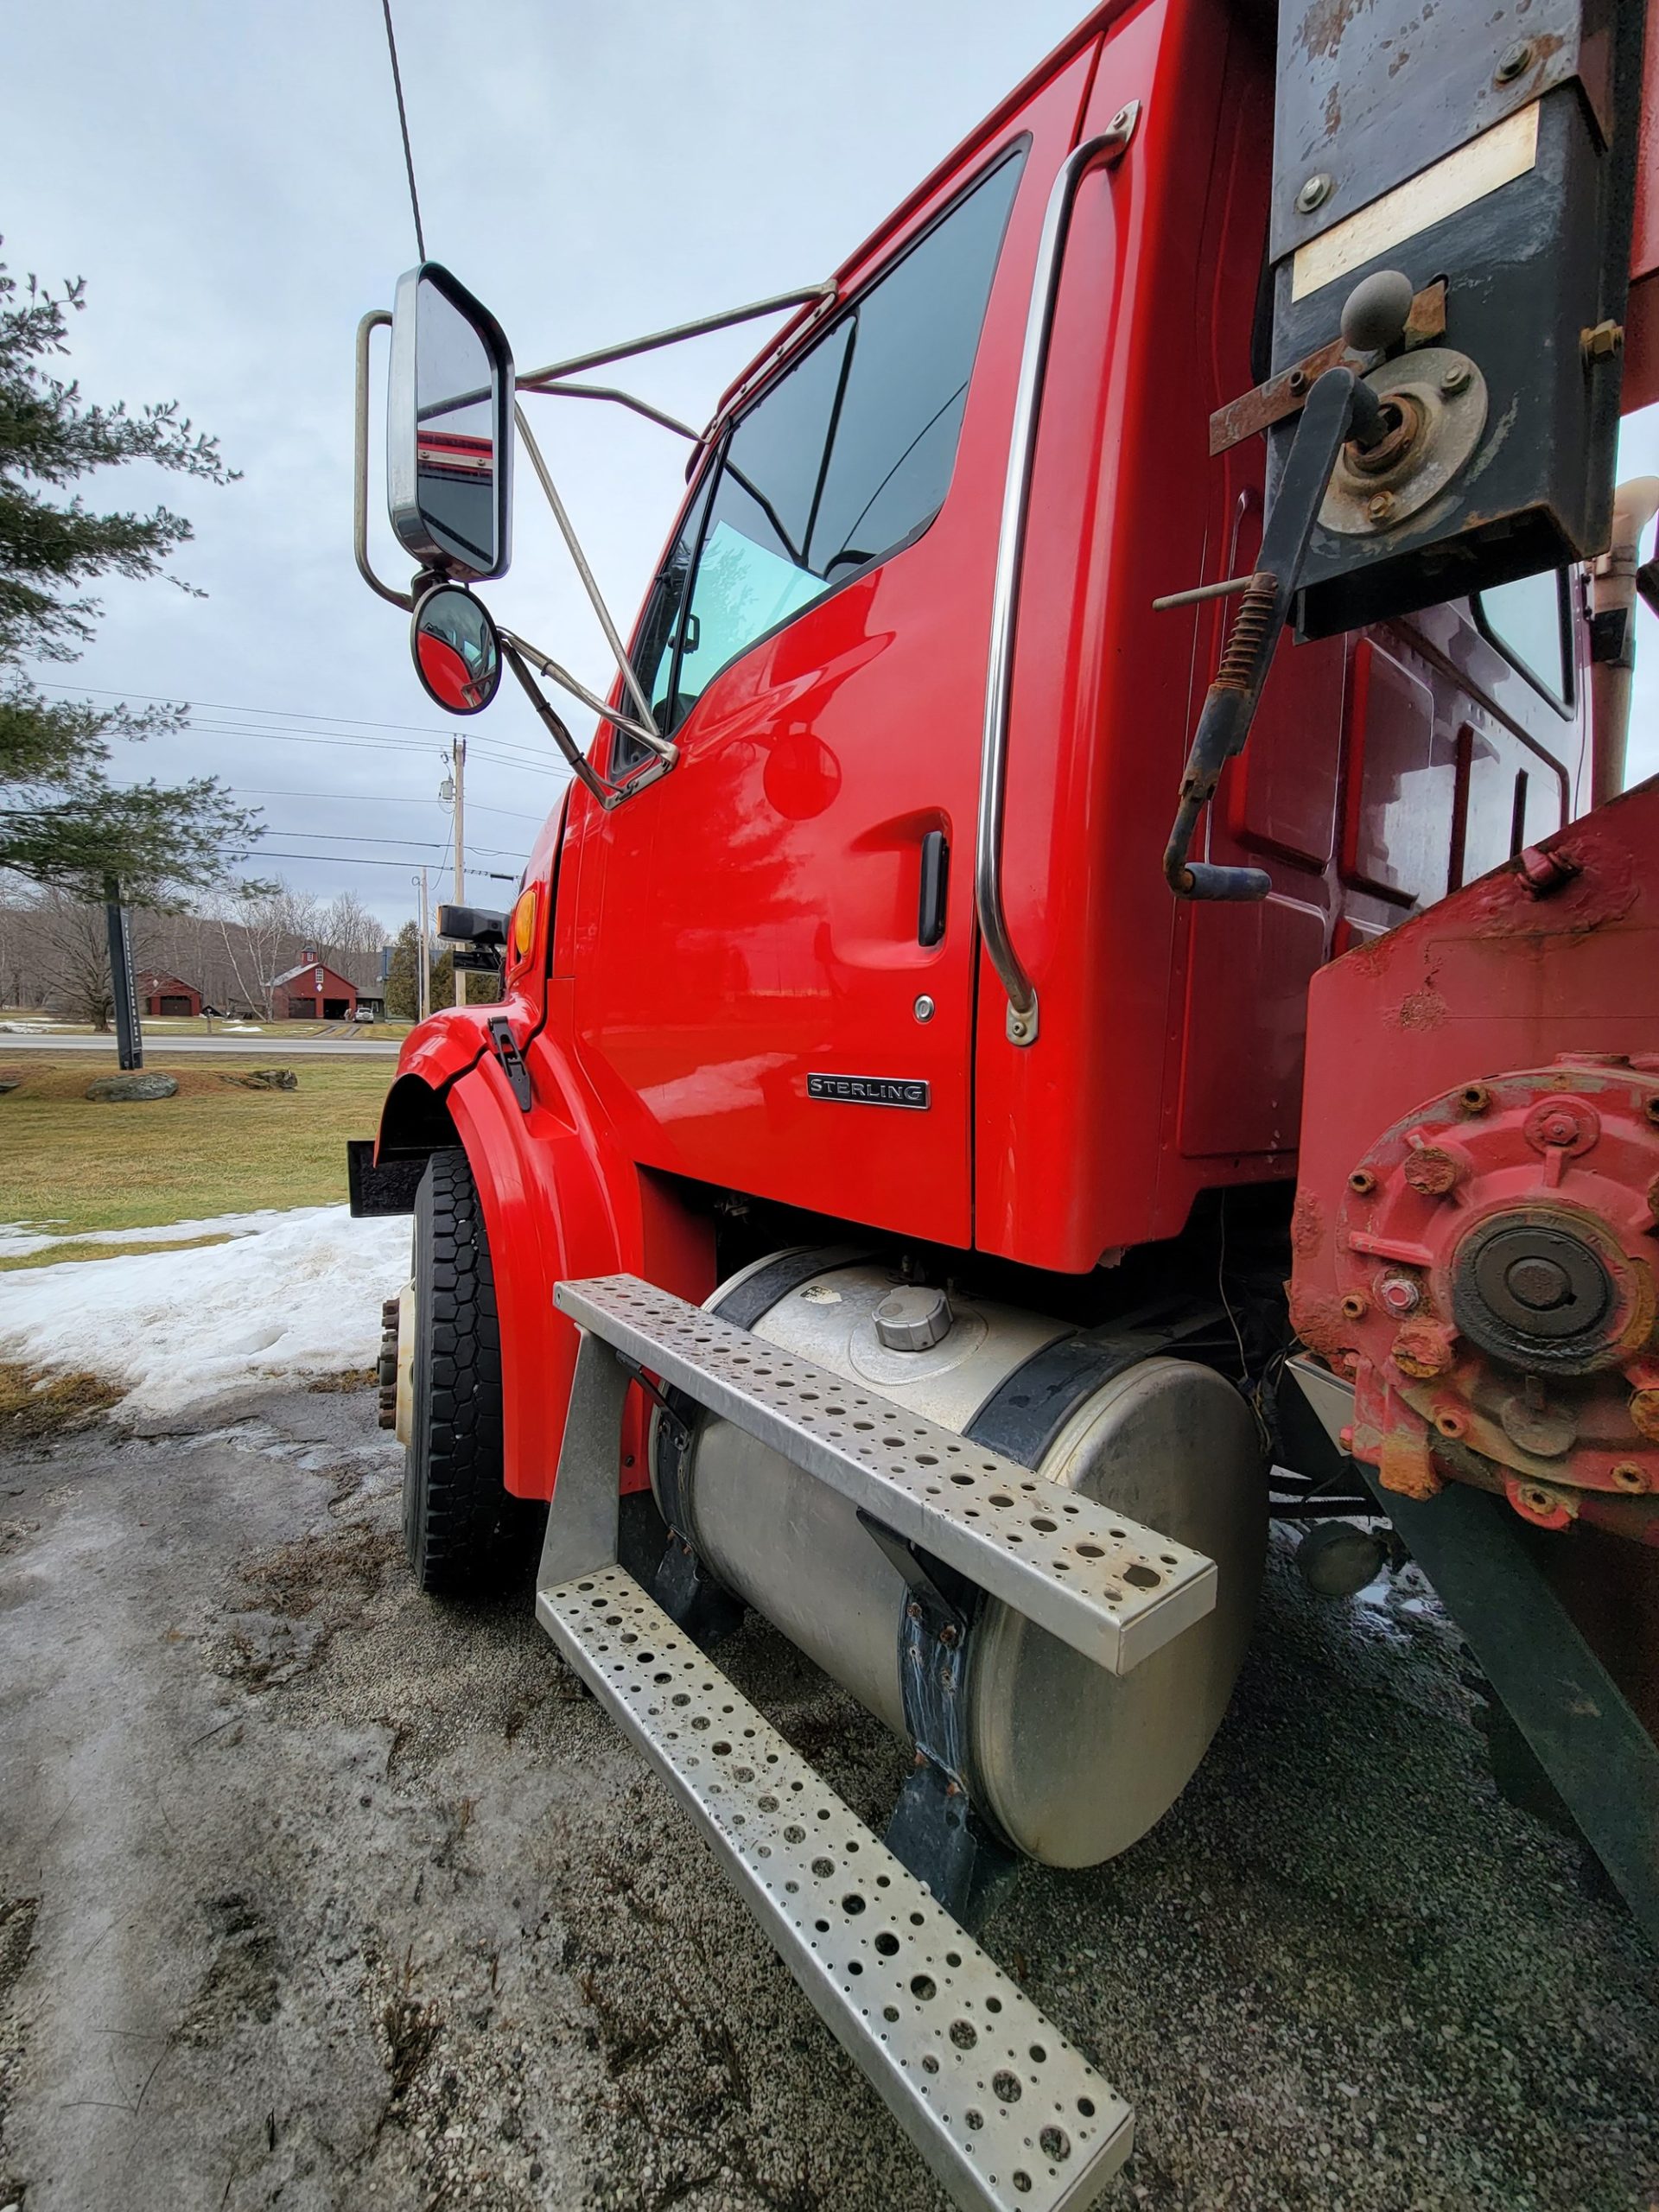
column 1028, row 1408
column 754, row 1295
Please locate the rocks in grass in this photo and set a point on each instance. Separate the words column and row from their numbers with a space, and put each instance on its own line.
column 264, row 1079
column 120, row 1089
column 9, row 1082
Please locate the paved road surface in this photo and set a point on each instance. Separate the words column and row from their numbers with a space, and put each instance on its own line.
column 317, row 1894
column 162, row 1048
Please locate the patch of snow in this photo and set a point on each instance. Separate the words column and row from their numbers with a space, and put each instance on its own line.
column 294, row 1293
column 19, row 1240
column 31, row 1028
column 241, row 1029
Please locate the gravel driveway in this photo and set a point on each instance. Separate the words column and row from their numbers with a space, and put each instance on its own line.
column 316, row 1894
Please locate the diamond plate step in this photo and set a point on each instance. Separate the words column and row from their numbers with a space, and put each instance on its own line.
column 1008, row 2115
column 1100, row 1582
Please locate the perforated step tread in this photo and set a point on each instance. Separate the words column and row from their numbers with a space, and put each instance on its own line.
column 1006, row 2111
column 1100, row 1582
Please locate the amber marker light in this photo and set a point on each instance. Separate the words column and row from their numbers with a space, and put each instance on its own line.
column 523, row 932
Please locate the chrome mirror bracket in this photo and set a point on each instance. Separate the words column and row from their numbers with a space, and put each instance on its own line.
column 377, row 319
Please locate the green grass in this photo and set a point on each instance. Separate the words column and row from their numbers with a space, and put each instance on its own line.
column 54, row 1255
column 163, row 1027
column 71, row 1165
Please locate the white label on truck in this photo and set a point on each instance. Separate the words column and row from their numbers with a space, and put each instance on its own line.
column 1507, row 151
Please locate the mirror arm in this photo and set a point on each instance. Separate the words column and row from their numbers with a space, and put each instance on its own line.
column 376, row 318
column 645, row 729
column 622, row 399
column 648, row 734
column 808, row 295
column 607, row 795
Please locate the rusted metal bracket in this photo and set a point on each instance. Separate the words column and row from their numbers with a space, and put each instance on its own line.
column 1282, row 395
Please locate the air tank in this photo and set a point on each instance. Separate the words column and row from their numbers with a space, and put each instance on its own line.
column 1071, row 1764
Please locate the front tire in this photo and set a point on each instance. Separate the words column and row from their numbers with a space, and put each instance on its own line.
column 464, row 1534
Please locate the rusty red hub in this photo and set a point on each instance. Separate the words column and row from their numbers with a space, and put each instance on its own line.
column 1495, row 1271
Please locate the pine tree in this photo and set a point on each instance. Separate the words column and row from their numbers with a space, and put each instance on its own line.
column 404, row 972
column 62, row 822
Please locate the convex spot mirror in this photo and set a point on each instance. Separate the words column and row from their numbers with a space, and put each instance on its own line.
column 457, row 650
column 448, row 427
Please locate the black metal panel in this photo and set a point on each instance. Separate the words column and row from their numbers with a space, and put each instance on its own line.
column 387, row 1187
column 1536, row 262
column 1368, row 96
column 1529, row 272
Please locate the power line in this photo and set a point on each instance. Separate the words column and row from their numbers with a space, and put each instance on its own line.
column 416, row 844
column 437, row 737
column 379, row 798
column 241, row 707
column 360, row 859
column 403, row 124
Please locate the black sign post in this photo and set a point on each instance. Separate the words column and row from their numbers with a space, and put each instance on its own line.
column 129, row 1039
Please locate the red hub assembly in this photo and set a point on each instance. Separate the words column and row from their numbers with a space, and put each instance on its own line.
column 1495, row 1294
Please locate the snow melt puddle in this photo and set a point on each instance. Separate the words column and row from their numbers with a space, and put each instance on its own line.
column 294, row 1294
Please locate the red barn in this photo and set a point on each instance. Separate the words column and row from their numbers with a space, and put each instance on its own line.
column 313, row 992
column 169, row 995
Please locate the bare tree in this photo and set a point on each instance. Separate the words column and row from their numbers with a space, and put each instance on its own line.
column 349, row 937
column 74, row 939
column 262, row 932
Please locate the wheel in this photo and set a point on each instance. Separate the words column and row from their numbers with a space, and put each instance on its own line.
column 465, row 1535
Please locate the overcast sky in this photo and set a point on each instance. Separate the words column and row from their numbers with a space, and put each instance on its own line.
column 229, row 181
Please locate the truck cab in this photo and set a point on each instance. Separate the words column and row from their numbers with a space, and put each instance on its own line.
column 845, row 1001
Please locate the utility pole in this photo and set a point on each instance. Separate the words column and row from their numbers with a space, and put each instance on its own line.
column 423, row 965
column 458, row 757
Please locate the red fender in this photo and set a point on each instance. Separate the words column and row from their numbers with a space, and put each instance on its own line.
column 559, row 1201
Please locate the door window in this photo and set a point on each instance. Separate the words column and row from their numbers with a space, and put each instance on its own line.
column 1529, row 623
column 844, row 459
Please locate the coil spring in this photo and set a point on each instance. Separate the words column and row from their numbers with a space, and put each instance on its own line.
column 1245, row 639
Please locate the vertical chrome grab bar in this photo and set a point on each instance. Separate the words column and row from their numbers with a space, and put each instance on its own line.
column 1010, row 557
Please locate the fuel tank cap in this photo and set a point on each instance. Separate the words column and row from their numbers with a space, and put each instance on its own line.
column 913, row 1319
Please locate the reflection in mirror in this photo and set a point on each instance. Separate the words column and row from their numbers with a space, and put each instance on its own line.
column 449, row 426
column 457, row 651
column 454, row 444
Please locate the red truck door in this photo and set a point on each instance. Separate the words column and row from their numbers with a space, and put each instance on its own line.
column 779, row 992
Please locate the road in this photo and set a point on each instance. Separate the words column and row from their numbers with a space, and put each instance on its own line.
column 315, row 1893
column 162, row 1048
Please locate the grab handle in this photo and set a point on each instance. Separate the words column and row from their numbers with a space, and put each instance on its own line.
column 1108, row 147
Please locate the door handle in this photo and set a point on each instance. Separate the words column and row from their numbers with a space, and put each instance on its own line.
column 936, row 876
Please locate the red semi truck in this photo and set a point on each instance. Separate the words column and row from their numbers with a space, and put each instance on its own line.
column 907, row 1188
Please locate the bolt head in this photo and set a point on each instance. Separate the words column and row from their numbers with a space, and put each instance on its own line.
column 1400, row 1294
column 1629, row 1477
column 1558, row 1129
column 1315, row 191
column 1455, row 378
column 1515, row 62
column 1380, row 506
